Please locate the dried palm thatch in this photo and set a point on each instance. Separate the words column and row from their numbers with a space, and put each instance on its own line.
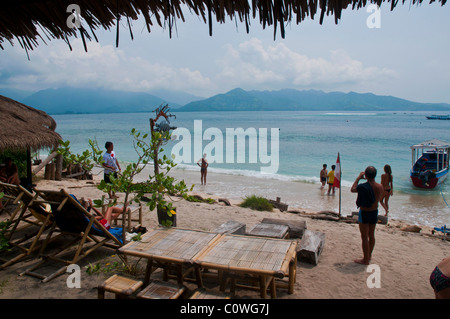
column 23, row 127
column 27, row 21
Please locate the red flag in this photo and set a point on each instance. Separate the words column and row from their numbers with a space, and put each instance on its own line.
column 337, row 174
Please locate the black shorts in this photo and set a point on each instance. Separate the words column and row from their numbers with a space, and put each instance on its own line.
column 106, row 177
column 368, row 217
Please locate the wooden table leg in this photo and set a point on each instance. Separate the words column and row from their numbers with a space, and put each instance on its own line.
column 223, row 280
column 198, row 275
column 262, row 286
column 148, row 271
column 292, row 275
column 273, row 288
column 179, row 270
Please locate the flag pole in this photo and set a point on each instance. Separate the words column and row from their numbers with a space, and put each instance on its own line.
column 340, row 179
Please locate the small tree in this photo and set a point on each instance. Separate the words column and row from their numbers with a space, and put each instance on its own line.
column 87, row 159
column 160, row 185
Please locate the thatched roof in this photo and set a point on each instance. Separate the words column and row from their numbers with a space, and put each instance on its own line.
column 27, row 21
column 23, row 127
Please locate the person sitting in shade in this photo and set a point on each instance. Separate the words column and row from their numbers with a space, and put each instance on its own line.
column 111, row 214
column 10, row 173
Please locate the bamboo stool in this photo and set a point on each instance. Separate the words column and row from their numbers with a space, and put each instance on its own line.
column 120, row 286
column 203, row 294
column 161, row 290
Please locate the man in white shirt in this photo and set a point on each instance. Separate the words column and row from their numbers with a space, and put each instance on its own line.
column 111, row 165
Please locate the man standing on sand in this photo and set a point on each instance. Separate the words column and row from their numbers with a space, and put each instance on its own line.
column 369, row 195
column 111, row 165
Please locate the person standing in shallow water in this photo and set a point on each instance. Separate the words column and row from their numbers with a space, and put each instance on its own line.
column 203, row 168
column 331, row 180
column 388, row 185
column 323, row 176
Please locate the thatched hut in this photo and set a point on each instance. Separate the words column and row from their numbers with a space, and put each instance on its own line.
column 28, row 21
column 25, row 128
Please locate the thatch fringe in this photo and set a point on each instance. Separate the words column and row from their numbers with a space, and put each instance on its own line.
column 21, row 19
column 23, row 127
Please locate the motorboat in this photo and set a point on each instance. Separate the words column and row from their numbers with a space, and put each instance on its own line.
column 430, row 163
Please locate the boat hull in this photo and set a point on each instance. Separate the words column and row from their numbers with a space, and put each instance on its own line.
column 432, row 182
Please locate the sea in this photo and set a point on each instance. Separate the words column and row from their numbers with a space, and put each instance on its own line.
column 280, row 154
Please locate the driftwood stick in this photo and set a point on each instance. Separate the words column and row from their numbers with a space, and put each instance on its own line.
column 44, row 162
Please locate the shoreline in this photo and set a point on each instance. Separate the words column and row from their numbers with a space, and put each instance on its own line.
column 406, row 259
column 309, row 196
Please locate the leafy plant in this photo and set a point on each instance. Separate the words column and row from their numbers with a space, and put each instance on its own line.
column 106, row 268
column 137, row 237
column 4, row 242
column 3, row 284
column 87, row 159
column 192, row 198
column 257, row 203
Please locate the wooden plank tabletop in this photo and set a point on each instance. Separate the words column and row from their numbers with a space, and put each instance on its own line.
column 249, row 254
column 170, row 244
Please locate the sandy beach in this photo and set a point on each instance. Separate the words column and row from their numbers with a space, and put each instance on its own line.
column 405, row 259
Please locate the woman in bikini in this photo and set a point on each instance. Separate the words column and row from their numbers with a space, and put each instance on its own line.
column 440, row 279
column 203, row 168
column 387, row 182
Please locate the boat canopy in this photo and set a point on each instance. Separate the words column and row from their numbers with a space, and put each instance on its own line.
column 432, row 144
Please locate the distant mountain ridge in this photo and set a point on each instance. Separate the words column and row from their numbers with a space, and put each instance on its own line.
column 307, row 100
column 74, row 101
column 81, row 100
column 77, row 100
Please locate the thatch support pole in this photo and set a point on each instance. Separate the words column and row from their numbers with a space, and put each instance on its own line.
column 47, row 173
column 59, row 166
column 29, row 174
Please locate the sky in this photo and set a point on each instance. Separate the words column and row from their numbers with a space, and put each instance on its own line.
column 405, row 55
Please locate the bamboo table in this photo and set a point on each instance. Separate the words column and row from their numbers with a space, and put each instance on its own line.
column 166, row 246
column 263, row 258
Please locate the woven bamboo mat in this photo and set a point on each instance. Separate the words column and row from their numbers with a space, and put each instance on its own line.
column 248, row 253
column 171, row 243
column 269, row 230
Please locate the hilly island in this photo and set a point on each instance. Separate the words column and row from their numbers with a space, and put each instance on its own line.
column 79, row 100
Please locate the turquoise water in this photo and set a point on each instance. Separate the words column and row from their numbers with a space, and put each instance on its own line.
column 306, row 141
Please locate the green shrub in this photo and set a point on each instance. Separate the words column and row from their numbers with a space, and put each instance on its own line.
column 257, row 203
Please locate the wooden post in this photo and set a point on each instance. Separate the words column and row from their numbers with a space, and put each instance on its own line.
column 29, row 175
column 52, row 171
column 59, row 164
column 47, row 173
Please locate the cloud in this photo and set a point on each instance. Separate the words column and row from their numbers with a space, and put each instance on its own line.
column 102, row 66
column 252, row 63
